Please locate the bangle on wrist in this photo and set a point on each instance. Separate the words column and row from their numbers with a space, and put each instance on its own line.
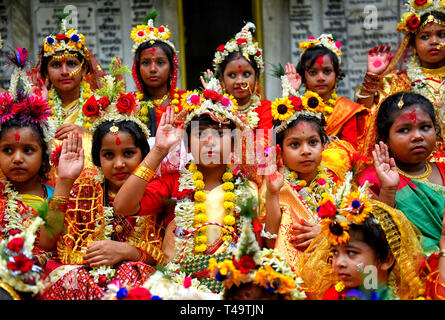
column 267, row 235
column 145, row 173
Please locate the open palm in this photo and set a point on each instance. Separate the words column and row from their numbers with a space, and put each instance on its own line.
column 379, row 59
column 292, row 76
column 385, row 166
column 71, row 157
column 169, row 133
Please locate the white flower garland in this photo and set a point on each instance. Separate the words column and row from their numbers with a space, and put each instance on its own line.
column 249, row 111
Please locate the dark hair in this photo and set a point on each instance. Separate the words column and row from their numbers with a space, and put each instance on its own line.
column 45, row 61
column 16, row 123
column 436, row 14
column 235, row 55
column 140, row 140
column 317, row 123
column 389, row 111
column 371, row 233
column 205, row 119
column 310, row 56
column 146, row 45
column 233, row 292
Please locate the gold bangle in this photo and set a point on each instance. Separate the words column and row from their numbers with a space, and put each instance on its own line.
column 441, row 253
column 144, row 173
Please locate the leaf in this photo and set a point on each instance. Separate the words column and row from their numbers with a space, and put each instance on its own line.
column 277, row 70
column 153, row 14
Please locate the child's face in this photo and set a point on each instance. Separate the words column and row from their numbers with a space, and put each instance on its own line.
column 321, row 77
column 210, row 145
column 239, row 79
column 302, row 148
column 21, row 154
column 119, row 160
column 59, row 73
column 412, row 136
column 349, row 262
column 426, row 43
column 154, row 67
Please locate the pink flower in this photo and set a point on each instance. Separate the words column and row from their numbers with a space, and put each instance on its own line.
column 321, row 181
column 225, row 102
column 187, row 282
column 338, row 44
column 195, row 99
column 311, row 38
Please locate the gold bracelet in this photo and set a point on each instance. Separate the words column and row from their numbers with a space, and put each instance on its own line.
column 144, row 173
column 441, row 253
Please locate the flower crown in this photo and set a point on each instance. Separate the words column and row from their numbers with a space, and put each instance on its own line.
column 111, row 104
column 70, row 40
column 410, row 21
column 221, row 107
column 249, row 264
column 243, row 43
column 337, row 212
column 143, row 33
column 17, row 267
column 291, row 106
column 325, row 40
column 22, row 104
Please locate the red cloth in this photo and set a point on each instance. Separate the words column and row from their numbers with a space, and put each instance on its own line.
column 265, row 115
column 349, row 132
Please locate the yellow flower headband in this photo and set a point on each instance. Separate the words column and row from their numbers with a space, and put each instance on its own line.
column 410, row 20
column 70, row 40
column 325, row 40
column 143, row 33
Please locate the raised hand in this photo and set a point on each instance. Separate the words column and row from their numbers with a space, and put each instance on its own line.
column 119, row 76
column 71, row 158
column 385, row 167
column 169, row 132
column 275, row 180
column 379, row 59
column 293, row 76
column 39, row 87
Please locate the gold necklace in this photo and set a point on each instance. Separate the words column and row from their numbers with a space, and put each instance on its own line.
column 423, row 176
column 159, row 102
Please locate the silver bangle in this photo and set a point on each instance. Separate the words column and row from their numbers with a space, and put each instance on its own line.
column 266, row 234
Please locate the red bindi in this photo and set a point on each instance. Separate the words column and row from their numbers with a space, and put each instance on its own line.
column 240, row 69
column 319, row 61
column 17, row 135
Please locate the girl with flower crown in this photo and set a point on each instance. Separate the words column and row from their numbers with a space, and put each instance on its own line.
column 291, row 193
column 319, row 70
column 98, row 246
column 205, row 191
column 421, row 59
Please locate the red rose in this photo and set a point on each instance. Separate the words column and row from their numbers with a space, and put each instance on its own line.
column 327, row 210
column 245, row 264
column 90, row 107
column 296, row 102
column 16, row 244
column 138, row 293
column 221, row 48
column 14, row 232
column 103, row 103
column 413, row 23
column 241, row 41
column 258, row 53
column 21, row 263
column 420, row 2
column 126, row 103
column 213, row 95
column 61, row 37
column 102, row 281
column 161, row 29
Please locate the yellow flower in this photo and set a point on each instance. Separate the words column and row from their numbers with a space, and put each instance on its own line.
column 293, row 175
column 87, row 125
column 139, row 95
column 140, row 33
column 417, row 7
column 199, row 184
column 197, row 176
column 144, row 111
column 229, row 220
column 227, row 176
column 225, row 231
column 200, row 196
column 282, row 109
column 200, row 207
column 201, row 218
column 337, row 232
column 192, row 100
column 228, row 186
column 200, row 248
column 201, row 239
column 228, row 205
column 229, row 196
column 313, row 102
column 227, row 238
column 193, row 167
column 302, row 183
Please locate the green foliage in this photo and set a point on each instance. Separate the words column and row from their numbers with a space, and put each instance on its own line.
column 153, row 14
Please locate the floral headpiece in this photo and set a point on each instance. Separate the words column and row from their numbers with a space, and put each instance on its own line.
column 337, row 212
column 22, row 104
column 243, row 43
column 220, row 107
column 249, row 264
column 325, row 40
column 410, row 21
column 143, row 33
column 17, row 266
column 70, row 40
column 111, row 104
column 291, row 106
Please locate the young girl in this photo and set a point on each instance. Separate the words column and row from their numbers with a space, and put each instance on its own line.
column 367, row 251
column 207, row 190
column 423, row 26
column 98, row 246
column 238, row 66
column 319, row 70
column 291, row 194
column 402, row 175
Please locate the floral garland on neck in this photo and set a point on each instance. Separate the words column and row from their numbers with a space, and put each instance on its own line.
column 419, row 80
column 59, row 112
column 331, row 102
column 317, row 189
column 248, row 110
column 190, row 209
